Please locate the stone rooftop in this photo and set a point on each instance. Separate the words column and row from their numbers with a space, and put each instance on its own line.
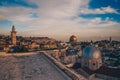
column 29, row 66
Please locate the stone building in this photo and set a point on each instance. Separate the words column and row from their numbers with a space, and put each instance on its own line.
column 91, row 58
column 91, row 66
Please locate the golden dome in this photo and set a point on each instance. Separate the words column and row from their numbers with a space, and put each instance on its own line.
column 73, row 38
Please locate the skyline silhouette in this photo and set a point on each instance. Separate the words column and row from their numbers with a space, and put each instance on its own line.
column 87, row 19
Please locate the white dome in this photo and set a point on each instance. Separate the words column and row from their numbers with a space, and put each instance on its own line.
column 91, row 52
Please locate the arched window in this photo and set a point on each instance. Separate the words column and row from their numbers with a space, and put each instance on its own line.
column 93, row 64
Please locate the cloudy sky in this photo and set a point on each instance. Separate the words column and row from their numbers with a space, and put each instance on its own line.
column 59, row 19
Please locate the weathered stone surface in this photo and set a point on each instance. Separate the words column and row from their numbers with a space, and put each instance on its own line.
column 30, row 66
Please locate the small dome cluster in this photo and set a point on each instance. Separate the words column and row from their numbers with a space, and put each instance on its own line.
column 73, row 38
column 91, row 52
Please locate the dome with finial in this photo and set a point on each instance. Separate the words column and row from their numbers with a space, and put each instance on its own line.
column 73, row 38
column 91, row 52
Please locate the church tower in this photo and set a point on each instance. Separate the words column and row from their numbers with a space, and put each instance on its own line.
column 13, row 35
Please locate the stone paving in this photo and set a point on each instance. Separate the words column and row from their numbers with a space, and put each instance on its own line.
column 29, row 66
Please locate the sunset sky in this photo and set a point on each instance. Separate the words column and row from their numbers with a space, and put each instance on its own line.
column 59, row 19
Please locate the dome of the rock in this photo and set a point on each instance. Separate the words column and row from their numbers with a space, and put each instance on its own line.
column 73, row 38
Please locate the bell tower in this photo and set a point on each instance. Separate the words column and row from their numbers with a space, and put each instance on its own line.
column 13, row 35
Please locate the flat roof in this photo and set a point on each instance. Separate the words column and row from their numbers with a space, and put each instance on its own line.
column 29, row 66
column 113, row 72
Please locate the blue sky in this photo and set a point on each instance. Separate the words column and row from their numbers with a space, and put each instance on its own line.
column 15, row 3
column 59, row 19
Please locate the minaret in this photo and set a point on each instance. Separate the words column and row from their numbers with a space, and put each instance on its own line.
column 13, row 35
column 110, row 39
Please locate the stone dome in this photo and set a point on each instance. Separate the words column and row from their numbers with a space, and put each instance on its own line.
column 91, row 52
column 73, row 38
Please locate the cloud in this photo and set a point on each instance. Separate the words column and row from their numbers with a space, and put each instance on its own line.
column 2, row 16
column 59, row 18
column 102, row 10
